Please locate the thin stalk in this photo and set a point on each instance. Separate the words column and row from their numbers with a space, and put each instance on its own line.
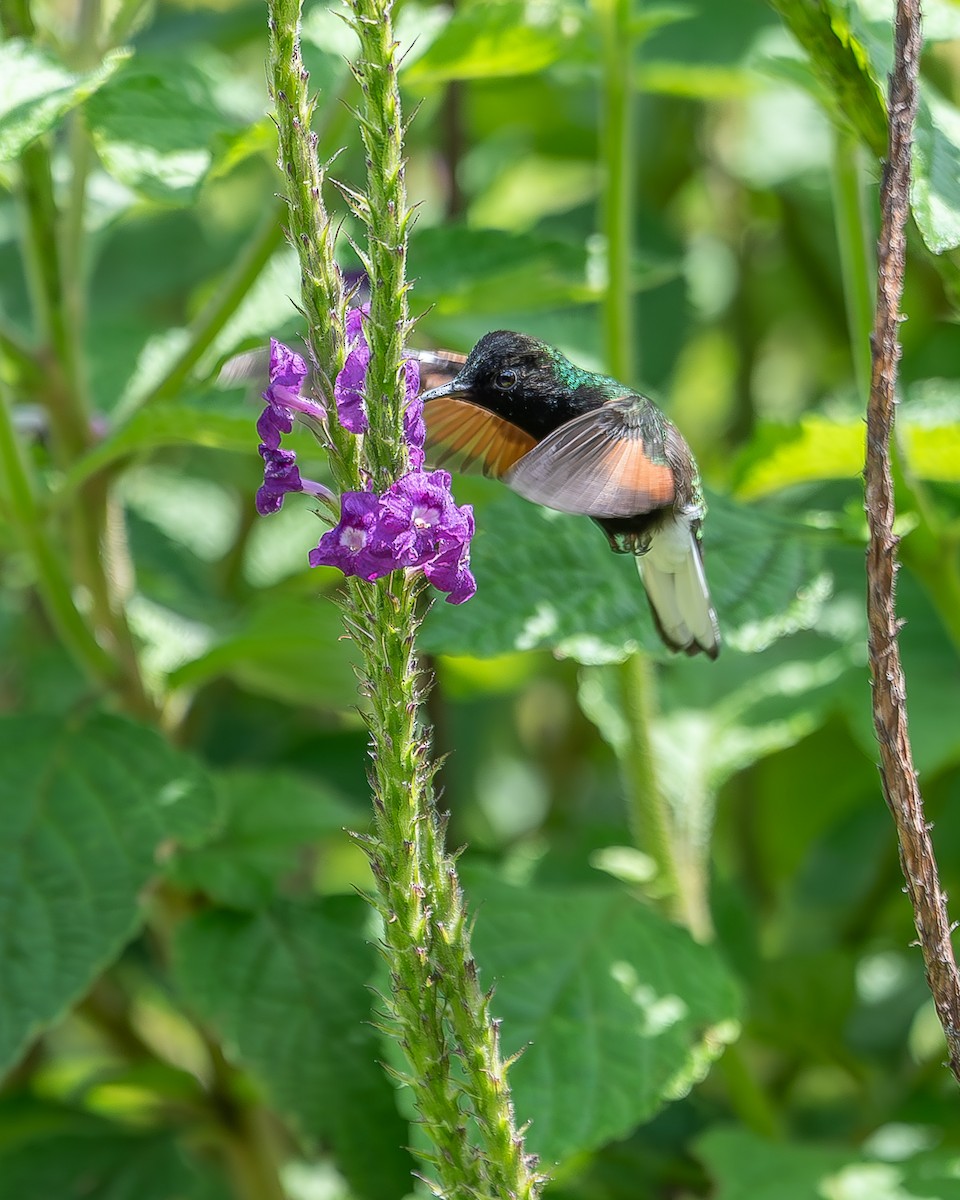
column 681, row 892
column 22, row 370
column 44, row 275
column 929, row 550
column 435, row 1008
column 889, row 700
column 650, row 816
column 205, row 327
column 52, row 582
column 752, row 1104
column 856, row 259
column 616, row 161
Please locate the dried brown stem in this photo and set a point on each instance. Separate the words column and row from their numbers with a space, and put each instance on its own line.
column 900, row 785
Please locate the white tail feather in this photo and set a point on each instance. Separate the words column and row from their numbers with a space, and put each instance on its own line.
column 672, row 573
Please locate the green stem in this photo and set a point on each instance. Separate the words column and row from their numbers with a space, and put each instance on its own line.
column 21, row 371
column 203, row 330
column 749, row 1100
column 681, row 895
column 52, row 583
column 436, row 1008
column 856, row 259
column 616, row 159
column 43, row 263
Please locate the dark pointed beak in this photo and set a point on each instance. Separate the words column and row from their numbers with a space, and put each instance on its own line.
column 454, row 389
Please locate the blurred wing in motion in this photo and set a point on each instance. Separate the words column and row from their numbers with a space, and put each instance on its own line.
column 606, row 463
column 464, row 436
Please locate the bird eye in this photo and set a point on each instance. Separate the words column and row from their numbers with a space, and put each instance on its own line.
column 505, row 381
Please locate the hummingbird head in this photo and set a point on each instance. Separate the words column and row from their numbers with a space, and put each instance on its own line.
column 523, row 380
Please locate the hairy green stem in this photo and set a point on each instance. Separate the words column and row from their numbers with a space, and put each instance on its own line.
column 436, row 1008
column 616, row 158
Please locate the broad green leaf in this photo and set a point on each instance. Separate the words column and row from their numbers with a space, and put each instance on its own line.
column 696, row 81
column 271, row 818
column 527, row 190
column 84, row 805
column 290, row 648
column 935, row 183
column 549, row 581
column 209, row 421
column 931, row 665
column 287, row 991
column 508, row 37
column 712, row 724
column 745, row 1167
column 98, row 1164
column 935, row 187
column 616, row 1010
column 819, row 448
column 154, row 127
column 841, row 62
column 460, row 269
column 36, row 91
column 851, row 54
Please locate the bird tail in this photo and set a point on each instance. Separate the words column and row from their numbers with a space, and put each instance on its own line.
column 676, row 586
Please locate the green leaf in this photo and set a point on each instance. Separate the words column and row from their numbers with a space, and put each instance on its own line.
column 930, row 669
column 154, row 127
column 287, row 992
column 549, row 581
column 616, row 1010
column 745, row 1167
column 37, row 91
column 935, row 186
column 819, row 448
column 506, row 38
column 290, row 648
column 712, row 724
column 460, row 269
column 84, row 805
column 208, row 420
column 270, row 820
column 841, row 62
column 98, row 1164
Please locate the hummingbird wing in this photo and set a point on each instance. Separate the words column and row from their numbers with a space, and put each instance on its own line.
column 465, row 435
column 614, row 461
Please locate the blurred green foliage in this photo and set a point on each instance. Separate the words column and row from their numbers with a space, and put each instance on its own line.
column 188, row 981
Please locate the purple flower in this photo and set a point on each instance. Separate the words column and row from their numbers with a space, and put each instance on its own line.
column 280, row 474
column 450, row 572
column 414, row 429
column 420, row 518
column 414, row 524
column 348, row 387
column 352, row 542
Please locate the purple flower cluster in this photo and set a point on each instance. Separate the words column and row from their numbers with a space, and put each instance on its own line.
column 280, row 472
column 414, row 524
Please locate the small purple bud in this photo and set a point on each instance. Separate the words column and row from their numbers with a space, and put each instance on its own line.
column 348, row 387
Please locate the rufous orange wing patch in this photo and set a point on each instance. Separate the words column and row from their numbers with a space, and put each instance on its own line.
column 463, row 435
column 598, row 465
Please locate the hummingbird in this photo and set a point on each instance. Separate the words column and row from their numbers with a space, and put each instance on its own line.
column 581, row 442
